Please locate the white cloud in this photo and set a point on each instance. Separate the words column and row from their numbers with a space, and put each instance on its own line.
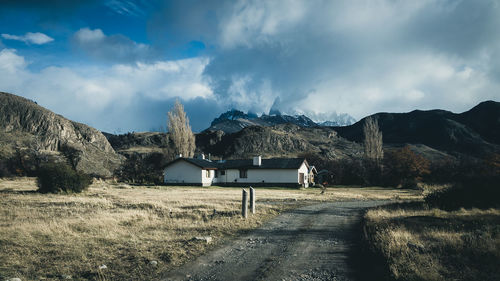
column 11, row 62
column 89, row 35
column 425, row 81
column 257, row 21
column 321, row 56
column 12, row 74
column 86, row 93
column 244, row 93
column 357, row 57
column 167, row 79
column 30, row 38
column 113, row 48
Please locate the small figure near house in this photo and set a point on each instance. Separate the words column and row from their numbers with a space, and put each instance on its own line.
column 323, row 188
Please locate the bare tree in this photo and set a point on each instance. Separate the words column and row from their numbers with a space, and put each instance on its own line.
column 373, row 140
column 180, row 131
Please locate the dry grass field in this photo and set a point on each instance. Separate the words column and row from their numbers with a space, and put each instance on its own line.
column 432, row 244
column 119, row 232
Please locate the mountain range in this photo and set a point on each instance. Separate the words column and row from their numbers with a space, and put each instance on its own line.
column 235, row 120
column 26, row 126
column 475, row 132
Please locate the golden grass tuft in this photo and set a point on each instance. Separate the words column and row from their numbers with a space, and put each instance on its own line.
column 432, row 244
column 47, row 236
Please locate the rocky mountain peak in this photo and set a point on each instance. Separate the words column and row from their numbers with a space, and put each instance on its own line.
column 234, row 120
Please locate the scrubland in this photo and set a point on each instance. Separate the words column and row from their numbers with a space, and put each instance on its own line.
column 115, row 231
column 420, row 243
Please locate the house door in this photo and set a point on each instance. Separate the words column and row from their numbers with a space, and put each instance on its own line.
column 301, row 178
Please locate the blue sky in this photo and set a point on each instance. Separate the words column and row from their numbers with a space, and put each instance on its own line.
column 119, row 65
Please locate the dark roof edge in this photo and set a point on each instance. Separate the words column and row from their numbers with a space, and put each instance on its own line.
column 187, row 161
column 245, row 167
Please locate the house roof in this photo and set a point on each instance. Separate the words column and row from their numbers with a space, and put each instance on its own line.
column 202, row 163
column 313, row 169
column 272, row 163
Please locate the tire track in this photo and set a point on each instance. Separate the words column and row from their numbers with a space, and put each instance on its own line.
column 310, row 243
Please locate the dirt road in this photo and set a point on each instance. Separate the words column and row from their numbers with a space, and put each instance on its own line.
column 317, row 242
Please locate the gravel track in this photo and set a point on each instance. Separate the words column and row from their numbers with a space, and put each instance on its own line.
column 316, row 242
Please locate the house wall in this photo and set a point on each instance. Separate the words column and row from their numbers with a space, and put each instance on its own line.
column 183, row 172
column 259, row 175
column 303, row 169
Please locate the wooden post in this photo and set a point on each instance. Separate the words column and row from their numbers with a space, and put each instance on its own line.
column 244, row 204
column 252, row 200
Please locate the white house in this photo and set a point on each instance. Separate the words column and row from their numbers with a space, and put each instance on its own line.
column 256, row 172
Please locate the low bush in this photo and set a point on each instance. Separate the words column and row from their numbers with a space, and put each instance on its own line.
column 482, row 193
column 4, row 170
column 60, row 177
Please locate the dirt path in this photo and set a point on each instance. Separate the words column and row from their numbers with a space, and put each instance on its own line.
column 318, row 242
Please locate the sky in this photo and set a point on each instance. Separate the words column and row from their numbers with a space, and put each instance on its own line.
column 119, row 65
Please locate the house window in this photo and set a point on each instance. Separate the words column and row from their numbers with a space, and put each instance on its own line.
column 208, row 173
column 243, row 174
column 215, row 173
column 223, row 172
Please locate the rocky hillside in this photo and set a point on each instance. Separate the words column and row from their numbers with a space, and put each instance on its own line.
column 144, row 142
column 475, row 132
column 284, row 140
column 41, row 129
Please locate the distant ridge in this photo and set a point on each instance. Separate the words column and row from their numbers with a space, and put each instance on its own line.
column 476, row 131
column 235, row 120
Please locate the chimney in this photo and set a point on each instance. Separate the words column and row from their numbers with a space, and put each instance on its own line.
column 201, row 156
column 257, row 160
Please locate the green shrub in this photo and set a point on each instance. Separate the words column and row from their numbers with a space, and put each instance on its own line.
column 60, row 177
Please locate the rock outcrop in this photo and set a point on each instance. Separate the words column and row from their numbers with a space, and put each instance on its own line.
column 284, row 140
column 91, row 150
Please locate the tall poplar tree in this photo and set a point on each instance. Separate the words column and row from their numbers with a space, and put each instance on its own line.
column 373, row 141
column 180, row 131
